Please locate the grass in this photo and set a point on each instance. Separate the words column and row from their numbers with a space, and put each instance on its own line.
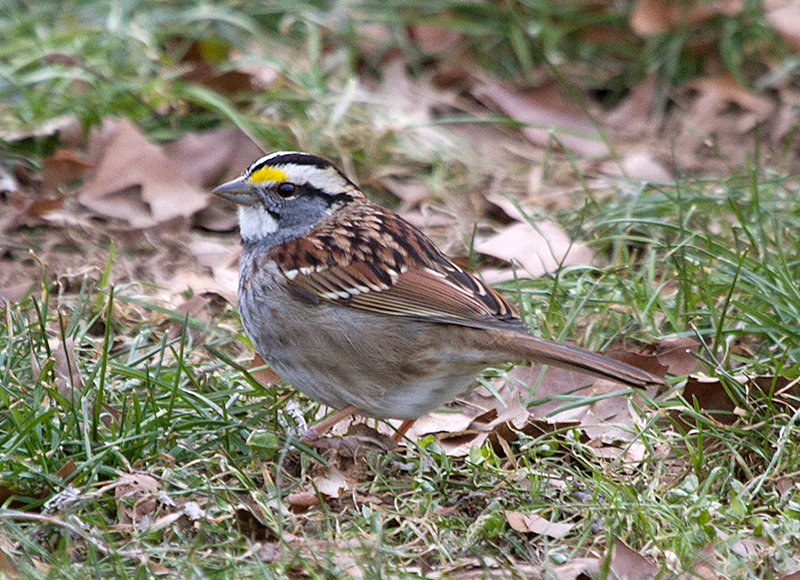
column 168, row 398
column 163, row 401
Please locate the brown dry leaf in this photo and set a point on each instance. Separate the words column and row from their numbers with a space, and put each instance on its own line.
column 628, row 564
column 676, row 354
column 546, row 111
column 660, row 16
column 22, row 200
column 534, row 250
column 68, row 128
column 211, row 157
column 67, row 469
column 537, row 388
column 139, row 489
column 407, row 106
column 69, row 382
column 452, row 431
column 536, row 524
column 606, row 421
column 134, row 180
column 202, row 58
column 436, row 40
column 790, row 576
column 208, row 159
column 331, row 484
column 784, row 16
column 302, row 501
column 704, row 567
column 747, row 548
column 218, row 271
column 13, row 293
column 634, row 115
column 410, row 192
column 638, row 164
column 641, row 358
column 717, row 93
column 251, row 521
column 578, row 569
column 7, row 567
column 62, row 168
column 439, row 422
column 264, row 374
column 711, row 398
column 204, row 307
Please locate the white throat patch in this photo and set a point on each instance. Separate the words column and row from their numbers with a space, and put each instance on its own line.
column 255, row 222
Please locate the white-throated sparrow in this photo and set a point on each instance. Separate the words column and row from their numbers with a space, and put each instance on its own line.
column 359, row 310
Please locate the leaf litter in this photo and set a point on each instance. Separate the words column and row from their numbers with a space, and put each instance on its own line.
column 153, row 198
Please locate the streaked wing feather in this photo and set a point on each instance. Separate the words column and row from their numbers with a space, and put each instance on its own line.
column 389, row 267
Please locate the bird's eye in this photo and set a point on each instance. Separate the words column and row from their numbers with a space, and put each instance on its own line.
column 286, row 189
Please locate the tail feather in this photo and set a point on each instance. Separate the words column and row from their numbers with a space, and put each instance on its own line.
column 538, row 350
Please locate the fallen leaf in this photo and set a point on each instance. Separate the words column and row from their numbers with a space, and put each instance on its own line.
column 535, row 250
column 536, row 524
column 410, row 192
column 628, row 564
column 642, row 358
column 784, row 16
column 259, row 370
column 66, row 126
column 635, row 114
column 209, row 158
column 302, row 501
column 203, row 57
column 134, row 180
column 69, row 382
column 546, row 111
column 641, row 165
column 704, row 567
column 407, row 105
column 676, row 354
column 578, row 569
column 710, row 396
column 436, row 40
column 725, row 89
column 331, row 483
column 8, row 569
column 62, row 168
column 136, row 496
column 15, row 292
column 651, row 17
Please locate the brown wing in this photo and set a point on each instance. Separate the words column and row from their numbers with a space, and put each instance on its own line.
column 373, row 260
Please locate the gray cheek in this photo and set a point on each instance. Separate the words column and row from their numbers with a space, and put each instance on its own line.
column 300, row 213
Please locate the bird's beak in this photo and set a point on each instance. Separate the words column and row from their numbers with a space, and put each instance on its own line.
column 238, row 191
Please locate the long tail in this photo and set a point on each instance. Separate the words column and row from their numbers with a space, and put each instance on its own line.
column 538, row 350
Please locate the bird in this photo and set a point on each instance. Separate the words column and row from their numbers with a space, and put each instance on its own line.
column 360, row 311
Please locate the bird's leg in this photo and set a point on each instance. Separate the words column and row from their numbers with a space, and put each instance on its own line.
column 402, row 430
column 313, row 432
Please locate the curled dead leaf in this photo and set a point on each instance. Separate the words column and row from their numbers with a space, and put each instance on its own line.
column 536, row 524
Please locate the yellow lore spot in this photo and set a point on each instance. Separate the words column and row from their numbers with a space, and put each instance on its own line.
column 268, row 173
